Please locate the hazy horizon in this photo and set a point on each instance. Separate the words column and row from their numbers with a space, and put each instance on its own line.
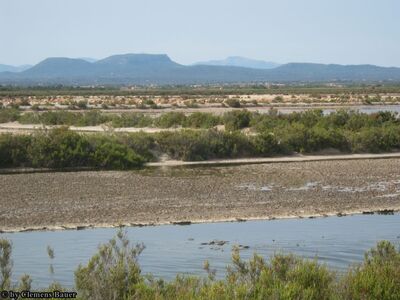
column 344, row 32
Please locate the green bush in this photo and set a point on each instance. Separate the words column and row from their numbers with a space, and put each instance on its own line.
column 233, row 102
column 113, row 273
column 62, row 148
column 377, row 278
column 375, row 139
column 140, row 142
column 59, row 148
column 170, row 119
column 13, row 150
column 90, row 118
column 238, row 119
column 267, row 144
column 132, row 120
column 202, row 145
column 202, row 120
column 111, row 155
column 82, row 104
column 9, row 115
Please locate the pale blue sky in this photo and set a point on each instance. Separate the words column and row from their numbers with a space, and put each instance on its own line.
column 334, row 31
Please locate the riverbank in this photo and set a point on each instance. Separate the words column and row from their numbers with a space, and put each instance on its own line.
column 78, row 200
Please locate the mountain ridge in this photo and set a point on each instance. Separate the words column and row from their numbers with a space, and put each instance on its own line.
column 239, row 61
column 15, row 69
column 127, row 69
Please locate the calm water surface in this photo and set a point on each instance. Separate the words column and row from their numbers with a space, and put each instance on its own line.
column 170, row 249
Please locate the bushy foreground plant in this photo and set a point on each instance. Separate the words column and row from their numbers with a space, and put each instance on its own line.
column 378, row 277
column 114, row 273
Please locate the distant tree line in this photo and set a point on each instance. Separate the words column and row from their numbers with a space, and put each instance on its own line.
column 205, row 90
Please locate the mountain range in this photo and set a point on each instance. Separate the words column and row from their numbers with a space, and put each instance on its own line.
column 146, row 69
column 9, row 68
column 238, row 61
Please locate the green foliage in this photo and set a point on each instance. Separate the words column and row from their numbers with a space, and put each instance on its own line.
column 90, row 118
column 202, row 120
column 270, row 134
column 113, row 273
column 231, row 102
column 132, row 120
column 237, row 119
column 9, row 115
column 377, row 278
column 82, row 104
column 59, row 148
column 62, row 148
column 170, row 119
column 13, row 150
column 140, row 142
column 375, row 139
column 202, row 145
column 267, row 144
column 5, row 264
column 111, row 155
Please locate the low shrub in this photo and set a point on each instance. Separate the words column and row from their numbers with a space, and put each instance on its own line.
column 237, row 119
column 61, row 148
column 170, row 119
column 202, row 120
column 132, row 120
column 202, row 145
column 233, row 102
column 9, row 115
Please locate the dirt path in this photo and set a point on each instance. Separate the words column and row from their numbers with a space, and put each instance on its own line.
column 15, row 127
column 197, row 194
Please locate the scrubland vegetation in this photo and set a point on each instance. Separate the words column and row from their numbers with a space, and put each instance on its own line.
column 196, row 97
column 114, row 273
column 61, row 148
column 271, row 134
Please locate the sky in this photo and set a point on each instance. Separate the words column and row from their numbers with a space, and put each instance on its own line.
column 320, row 31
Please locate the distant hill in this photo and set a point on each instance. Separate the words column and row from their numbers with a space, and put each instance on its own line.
column 309, row 72
column 159, row 69
column 8, row 68
column 238, row 61
column 59, row 67
column 88, row 59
